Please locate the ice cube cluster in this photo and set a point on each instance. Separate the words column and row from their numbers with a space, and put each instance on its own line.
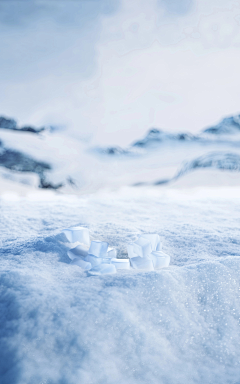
column 146, row 253
column 97, row 258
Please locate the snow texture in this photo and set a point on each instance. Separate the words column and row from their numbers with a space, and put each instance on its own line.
column 176, row 325
column 102, row 269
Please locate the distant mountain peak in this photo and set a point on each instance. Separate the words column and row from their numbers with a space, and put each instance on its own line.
column 11, row 124
column 229, row 125
column 156, row 135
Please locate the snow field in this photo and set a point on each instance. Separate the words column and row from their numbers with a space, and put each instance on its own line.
column 176, row 325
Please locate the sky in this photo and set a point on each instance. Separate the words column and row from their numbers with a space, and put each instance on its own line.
column 109, row 70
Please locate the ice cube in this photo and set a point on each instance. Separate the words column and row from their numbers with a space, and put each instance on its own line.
column 103, row 269
column 98, row 248
column 105, row 260
column 141, row 263
column 159, row 246
column 121, row 263
column 153, row 238
column 142, row 247
column 111, row 253
column 79, row 251
column 82, row 264
column 159, row 259
column 130, row 251
column 77, row 234
column 94, row 260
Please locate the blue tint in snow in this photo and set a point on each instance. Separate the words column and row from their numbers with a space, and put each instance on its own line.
column 176, row 325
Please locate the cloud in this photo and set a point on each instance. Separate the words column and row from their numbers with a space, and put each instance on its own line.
column 177, row 7
column 114, row 68
column 21, row 13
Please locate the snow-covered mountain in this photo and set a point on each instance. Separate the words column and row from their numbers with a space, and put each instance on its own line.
column 69, row 165
column 228, row 126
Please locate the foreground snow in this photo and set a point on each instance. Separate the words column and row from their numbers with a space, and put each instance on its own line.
column 176, row 325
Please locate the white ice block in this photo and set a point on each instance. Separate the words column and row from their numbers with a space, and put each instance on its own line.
column 153, row 238
column 159, row 246
column 98, row 248
column 82, row 264
column 79, row 251
column 130, row 251
column 94, row 260
column 111, row 253
column 160, row 259
column 142, row 263
column 142, row 247
column 103, row 269
column 77, row 234
column 106, row 260
column 121, row 263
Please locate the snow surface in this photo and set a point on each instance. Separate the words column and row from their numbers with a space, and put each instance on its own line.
column 176, row 325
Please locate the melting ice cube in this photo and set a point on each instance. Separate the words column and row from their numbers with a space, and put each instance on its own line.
column 111, row 253
column 94, row 260
column 153, row 238
column 130, row 251
column 141, row 263
column 77, row 234
column 98, row 248
column 121, row 263
column 79, row 251
column 159, row 246
column 159, row 259
column 142, row 247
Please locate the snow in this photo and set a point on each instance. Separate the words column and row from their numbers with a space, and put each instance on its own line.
column 81, row 263
column 102, row 269
column 176, row 325
column 61, row 322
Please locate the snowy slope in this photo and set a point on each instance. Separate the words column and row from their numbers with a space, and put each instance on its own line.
column 62, row 161
column 178, row 325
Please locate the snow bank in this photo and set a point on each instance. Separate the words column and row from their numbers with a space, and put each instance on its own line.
column 176, row 325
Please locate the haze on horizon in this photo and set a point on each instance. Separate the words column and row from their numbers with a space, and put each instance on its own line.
column 110, row 70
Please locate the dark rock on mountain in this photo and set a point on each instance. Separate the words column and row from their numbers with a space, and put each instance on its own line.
column 229, row 125
column 112, row 150
column 156, row 136
column 17, row 161
column 48, row 185
column 6, row 123
column 216, row 160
